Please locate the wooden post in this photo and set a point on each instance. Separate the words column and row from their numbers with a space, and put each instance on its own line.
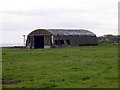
column 24, row 40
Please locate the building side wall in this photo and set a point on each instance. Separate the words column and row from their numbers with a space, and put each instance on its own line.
column 78, row 40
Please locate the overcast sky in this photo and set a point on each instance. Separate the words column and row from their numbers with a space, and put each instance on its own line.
column 19, row 17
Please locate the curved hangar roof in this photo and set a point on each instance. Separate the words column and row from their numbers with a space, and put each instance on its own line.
column 80, row 32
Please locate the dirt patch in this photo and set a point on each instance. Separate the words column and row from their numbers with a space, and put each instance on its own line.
column 75, row 60
column 10, row 82
column 65, row 56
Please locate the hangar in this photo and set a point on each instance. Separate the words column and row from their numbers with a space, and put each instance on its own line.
column 55, row 38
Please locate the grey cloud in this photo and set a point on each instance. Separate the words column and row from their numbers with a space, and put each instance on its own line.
column 46, row 12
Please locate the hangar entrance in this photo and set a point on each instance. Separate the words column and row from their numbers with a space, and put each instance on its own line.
column 39, row 41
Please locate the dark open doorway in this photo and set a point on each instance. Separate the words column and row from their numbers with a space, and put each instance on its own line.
column 39, row 41
column 68, row 42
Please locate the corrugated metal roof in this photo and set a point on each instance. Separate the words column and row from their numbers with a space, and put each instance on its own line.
column 71, row 32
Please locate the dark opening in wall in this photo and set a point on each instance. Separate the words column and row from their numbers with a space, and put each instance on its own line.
column 39, row 41
column 68, row 42
column 61, row 41
column 56, row 42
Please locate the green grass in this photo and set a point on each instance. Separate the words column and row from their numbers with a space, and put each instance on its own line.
column 73, row 67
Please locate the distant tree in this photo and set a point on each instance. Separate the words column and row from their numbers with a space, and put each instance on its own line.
column 109, row 38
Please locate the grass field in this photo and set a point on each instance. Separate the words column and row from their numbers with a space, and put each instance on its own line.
column 72, row 67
